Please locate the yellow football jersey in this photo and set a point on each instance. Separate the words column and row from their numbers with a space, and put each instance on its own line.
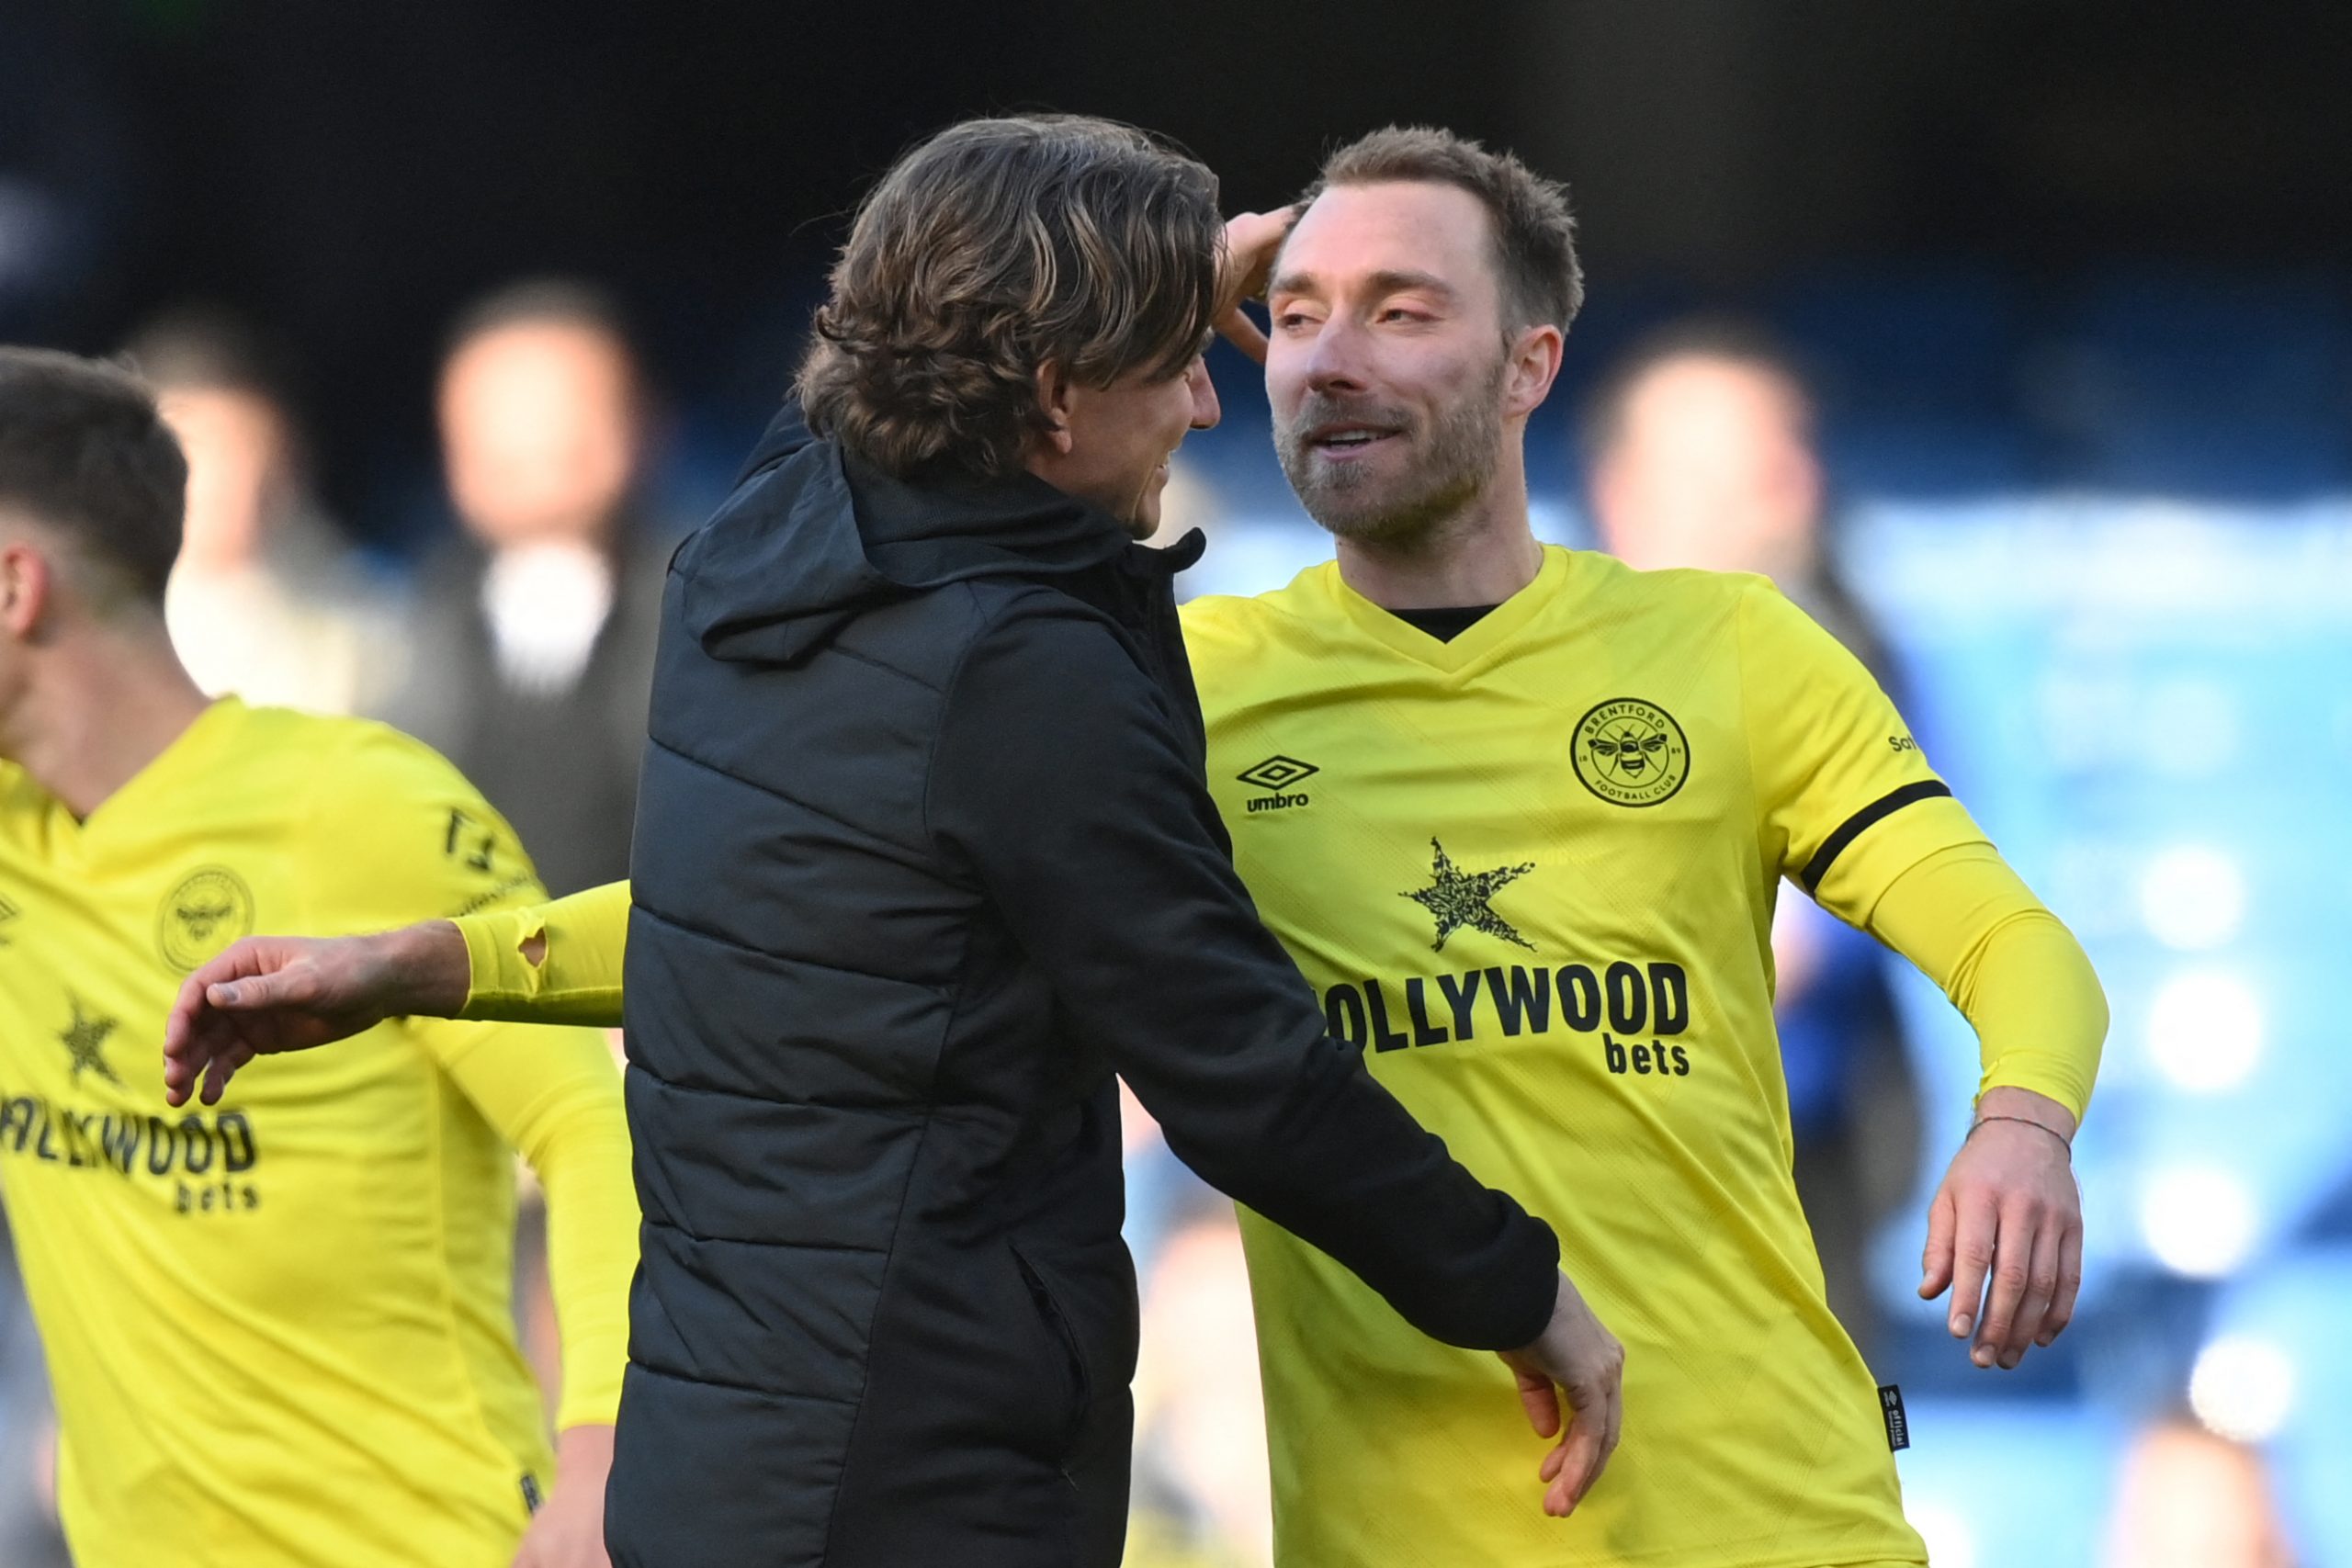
column 279, row 1330
column 1532, row 871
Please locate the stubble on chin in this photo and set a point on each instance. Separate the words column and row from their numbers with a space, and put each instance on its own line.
column 1446, row 467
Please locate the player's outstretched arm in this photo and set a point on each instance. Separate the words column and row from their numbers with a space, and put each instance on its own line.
column 1578, row 1357
column 270, row 993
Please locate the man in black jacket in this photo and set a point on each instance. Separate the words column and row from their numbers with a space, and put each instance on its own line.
column 923, row 856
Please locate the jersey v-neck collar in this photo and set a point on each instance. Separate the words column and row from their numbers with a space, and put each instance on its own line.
column 1494, row 629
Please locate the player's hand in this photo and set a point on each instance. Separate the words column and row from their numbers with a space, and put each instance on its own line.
column 569, row 1529
column 1252, row 242
column 1580, row 1359
column 2006, row 1231
column 268, row 994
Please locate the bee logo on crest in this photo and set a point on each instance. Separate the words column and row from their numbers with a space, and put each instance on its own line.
column 209, row 910
column 1631, row 752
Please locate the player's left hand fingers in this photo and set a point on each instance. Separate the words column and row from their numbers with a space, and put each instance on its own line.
column 2070, row 1283
column 2012, row 1273
column 1974, row 1224
column 2040, row 1290
column 1935, row 1263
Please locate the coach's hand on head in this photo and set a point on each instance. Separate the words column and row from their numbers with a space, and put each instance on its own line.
column 1575, row 1355
column 268, row 994
column 1252, row 239
column 2006, row 1230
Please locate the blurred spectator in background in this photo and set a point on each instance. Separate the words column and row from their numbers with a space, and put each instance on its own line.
column 2189, row 1498
column 1699, row 453
column 266, row 601
column 535, row 632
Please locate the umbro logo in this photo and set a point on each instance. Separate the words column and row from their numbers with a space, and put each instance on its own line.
column 1275, row 775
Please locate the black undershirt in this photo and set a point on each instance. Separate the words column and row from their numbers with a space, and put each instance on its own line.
column 1446, row 624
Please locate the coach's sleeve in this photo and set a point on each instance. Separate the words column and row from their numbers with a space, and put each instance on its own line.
column 1062, row 781
column 1847, row 801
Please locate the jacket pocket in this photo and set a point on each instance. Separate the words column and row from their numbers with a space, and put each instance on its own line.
column 1054, row 1317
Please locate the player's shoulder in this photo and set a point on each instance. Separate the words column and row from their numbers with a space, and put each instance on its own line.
column 1241, row 627
column 1692, row 592
column 356, row 764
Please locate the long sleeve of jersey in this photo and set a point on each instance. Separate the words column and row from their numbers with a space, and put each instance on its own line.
column 551, row 1095
column 2015, row 972
column 555, row 1095
column 577, row 976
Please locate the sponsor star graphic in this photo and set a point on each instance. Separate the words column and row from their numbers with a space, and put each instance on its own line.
column 1459, row 899
column 87, row 1038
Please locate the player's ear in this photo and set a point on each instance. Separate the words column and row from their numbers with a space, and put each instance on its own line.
column 1533, row 366
column 26, row 584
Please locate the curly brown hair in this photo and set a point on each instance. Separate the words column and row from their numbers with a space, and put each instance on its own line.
column 986, row 252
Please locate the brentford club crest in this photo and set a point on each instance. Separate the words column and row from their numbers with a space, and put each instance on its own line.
column 1631, row 752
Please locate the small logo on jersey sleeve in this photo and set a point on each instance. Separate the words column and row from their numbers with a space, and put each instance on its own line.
column 1456, row 898
column 209, row 910
column 1631, row 752
column 1275, row 775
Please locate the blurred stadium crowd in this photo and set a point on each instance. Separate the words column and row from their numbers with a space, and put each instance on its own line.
column 2101, row 551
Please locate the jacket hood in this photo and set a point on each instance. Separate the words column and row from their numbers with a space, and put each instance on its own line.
column 812, row 537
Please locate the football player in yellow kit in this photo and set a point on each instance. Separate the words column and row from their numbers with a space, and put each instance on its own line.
column 279, row 1331
column 1521, row 814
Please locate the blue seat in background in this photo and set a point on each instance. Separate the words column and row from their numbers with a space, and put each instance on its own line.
column 1940, row 341
column 2005, row 1482
column 2181, row 381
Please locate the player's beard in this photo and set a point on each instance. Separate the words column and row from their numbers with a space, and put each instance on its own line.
column 1450, row 463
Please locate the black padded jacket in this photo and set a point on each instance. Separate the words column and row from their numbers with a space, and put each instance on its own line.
column 923, row 856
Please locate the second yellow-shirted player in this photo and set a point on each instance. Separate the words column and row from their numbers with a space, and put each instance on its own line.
column 278, row 1329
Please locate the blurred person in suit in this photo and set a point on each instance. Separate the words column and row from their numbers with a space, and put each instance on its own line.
column 533, row 651
column 1699, row 450
column 266, row 601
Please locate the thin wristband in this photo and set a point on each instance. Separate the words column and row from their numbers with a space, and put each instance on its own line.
column 2065, row 1142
